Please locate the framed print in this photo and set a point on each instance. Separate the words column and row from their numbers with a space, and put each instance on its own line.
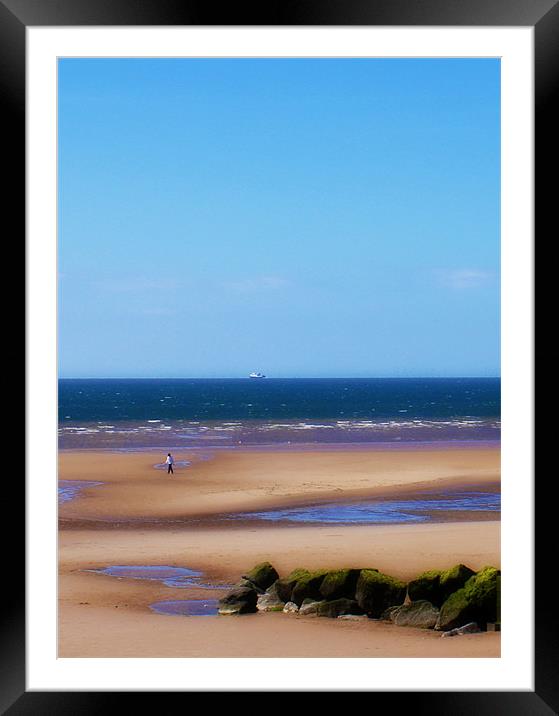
column 279, row 270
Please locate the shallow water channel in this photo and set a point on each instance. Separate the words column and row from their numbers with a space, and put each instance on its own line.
column 70, row 489
column 427, row 506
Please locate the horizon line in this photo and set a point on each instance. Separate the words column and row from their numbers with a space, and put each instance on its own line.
column 309, row 377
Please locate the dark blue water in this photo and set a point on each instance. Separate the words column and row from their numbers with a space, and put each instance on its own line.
column 223, row 412
column 290, row 399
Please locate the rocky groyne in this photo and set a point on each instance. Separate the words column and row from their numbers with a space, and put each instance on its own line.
column 454, row 601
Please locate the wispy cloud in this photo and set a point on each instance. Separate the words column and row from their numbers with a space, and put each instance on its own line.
column 461, row 279
column 257, row 284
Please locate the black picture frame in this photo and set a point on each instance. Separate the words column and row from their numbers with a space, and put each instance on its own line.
column 543, row 16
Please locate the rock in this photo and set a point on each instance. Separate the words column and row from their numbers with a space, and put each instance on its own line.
column 273, row 591
column 290, row 608
column 263, row 575
column 244, row 582
column 421, row 614
column 484, row 592
column 454, row 578
column 426, row 587
column 455, row 612
column 471, row 628
column 478, row 600
column 354, row 617
column 309, row 607
column 375, row 592
column 339, row 607
column 284, row 586
column 307, row 587
column 389, row 614
column 339, row 583
column 437, row 585
column 240, row 600
column 268, row 602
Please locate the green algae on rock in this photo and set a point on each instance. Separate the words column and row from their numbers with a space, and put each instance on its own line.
column 307, row 587
column 339, row 583
column 342, row 592
column 437, row 585
column 375, row 592
column 427, row 586
column 263, row 575
column 478, row 601
column 284, row 586
column 484, row 590
column 454, row 578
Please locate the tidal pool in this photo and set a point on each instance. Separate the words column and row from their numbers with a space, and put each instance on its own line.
column 70, row 489
column 181, row 577
column 383, row 511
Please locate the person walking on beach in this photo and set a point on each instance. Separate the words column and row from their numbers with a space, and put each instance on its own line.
column 169, row 462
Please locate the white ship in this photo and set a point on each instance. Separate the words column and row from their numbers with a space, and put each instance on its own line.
column 257, row 375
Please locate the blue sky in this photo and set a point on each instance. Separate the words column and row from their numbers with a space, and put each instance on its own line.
column 300, row 217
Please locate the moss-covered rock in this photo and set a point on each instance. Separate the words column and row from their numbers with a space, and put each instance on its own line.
column 484, row 592
column 426, row 587
column 339, row 583
column 284, row 586
column 437, row 585
column 263, row 575
column 454, row 578
column 455, row 612
column 478, row 601
column 308, row 587
column 375, row 592
column 240, row 600
column 338, row 607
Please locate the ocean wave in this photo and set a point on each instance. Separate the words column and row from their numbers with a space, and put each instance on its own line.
column 157, row 433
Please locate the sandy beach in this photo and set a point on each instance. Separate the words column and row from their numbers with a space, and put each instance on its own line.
column 141, row 516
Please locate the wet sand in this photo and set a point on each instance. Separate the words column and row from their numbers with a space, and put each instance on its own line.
column 142, row 516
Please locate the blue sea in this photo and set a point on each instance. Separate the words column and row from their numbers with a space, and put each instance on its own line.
column 129, row 414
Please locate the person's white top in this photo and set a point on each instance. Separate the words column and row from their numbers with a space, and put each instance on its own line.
column 170, row 460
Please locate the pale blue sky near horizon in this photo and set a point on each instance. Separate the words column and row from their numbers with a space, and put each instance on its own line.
column 298, row 217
